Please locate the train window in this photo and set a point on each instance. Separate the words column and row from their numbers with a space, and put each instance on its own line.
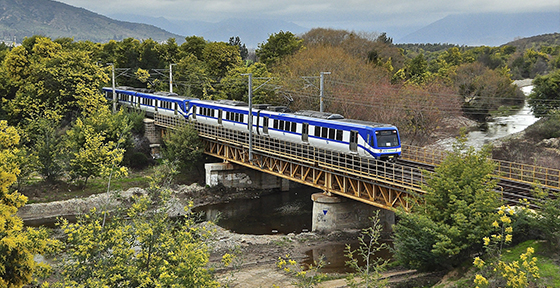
column 194, row 112
column 339, row 134
column 220, row 116
column 324, row 132
column 317, row 131
column 294, row 126
column 275, row 124
column 387, row 138
column 332, row 133
column 175, row 108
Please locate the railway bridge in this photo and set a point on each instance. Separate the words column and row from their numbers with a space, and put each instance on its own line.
column 381, row 184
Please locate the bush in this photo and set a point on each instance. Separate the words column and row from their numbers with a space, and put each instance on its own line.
column 545, row 128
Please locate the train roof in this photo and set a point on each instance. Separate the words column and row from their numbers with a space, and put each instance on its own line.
column 367, row 123
column 320, row 115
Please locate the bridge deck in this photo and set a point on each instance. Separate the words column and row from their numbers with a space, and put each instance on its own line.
column 379, row 183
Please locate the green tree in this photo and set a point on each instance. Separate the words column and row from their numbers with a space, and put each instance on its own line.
column 183, row 147
column 278, row 46
column 193, row 45
column 234, row 85
column 18, row 246
column 52, row 78
column 139, row 246
column 545, row 96
column 47, row 141
column 96, row 145
column 457, row 213
column 220, row 58
column 243, row 52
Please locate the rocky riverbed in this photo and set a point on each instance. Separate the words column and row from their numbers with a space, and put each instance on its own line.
column 257, row 254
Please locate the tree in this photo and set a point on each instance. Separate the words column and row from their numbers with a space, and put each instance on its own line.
column 96, row 144
column 17, row 245
column 52, row 78
column 243, row 52
column 183, row 147
column 278, row 46
column 484, row 90
column 138, row 246
column 457, row 213
column 234, row 85
column 220, row 58
column 545, row 96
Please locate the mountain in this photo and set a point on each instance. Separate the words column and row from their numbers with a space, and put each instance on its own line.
column 490, row 29
column 25, row 18
column 250, row 31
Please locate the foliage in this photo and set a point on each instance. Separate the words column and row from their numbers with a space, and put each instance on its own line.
column 140, row 246
column 94, row 145
column 518, row 273
column 547, row 219
column 183, row 147
column 306, row 276
column 50, row 77
column 545, row 96
column 277, row 47
column 47, row 142
column 243, row 52
column 545, row 128
column 368, row 47
column 369, row 245
column 484, row 90
column 18, row 246
column 457, row 212
column 220, row 58
column 235, row 85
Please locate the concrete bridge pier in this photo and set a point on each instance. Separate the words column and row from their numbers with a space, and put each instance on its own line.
column 333, row 213
column 236, row 176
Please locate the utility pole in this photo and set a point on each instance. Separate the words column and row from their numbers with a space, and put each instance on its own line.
column 113, row 84
column 171, row 78
column 250, row 120
column 322, row 89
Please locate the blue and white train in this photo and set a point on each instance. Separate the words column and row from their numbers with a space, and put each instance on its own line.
column 321, row 130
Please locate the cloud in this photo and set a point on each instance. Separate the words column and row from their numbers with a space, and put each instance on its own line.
column 327, row 12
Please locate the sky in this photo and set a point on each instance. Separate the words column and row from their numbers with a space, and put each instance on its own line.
column 357, row 15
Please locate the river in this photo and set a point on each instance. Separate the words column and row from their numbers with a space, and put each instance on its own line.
column 500, row 127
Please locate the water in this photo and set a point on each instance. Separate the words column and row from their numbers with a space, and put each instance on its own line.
column 500, row 127
column 277, row 213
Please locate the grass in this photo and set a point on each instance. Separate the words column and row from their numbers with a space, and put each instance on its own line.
column 548, row 270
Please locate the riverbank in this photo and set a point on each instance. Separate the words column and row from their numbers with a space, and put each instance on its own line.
column 256, row 254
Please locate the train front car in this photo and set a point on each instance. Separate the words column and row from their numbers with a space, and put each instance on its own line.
column 385, row 143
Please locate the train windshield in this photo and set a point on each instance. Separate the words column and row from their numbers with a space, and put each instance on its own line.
column 387, row 138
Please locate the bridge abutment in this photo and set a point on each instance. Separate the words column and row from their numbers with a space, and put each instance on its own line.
column 239, row 177
column 333, row 213
column 153, row 133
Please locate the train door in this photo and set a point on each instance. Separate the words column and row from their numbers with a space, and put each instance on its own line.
column 220, row 116
column 265, row 125
column 354, row 141
column 305, row 132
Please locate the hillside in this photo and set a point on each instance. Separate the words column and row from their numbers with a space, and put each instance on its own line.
column 25, row 18
column 251, row 31
column 536, row 41
column 489, row 29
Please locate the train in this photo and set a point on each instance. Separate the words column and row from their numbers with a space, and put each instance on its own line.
column 318, row 129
